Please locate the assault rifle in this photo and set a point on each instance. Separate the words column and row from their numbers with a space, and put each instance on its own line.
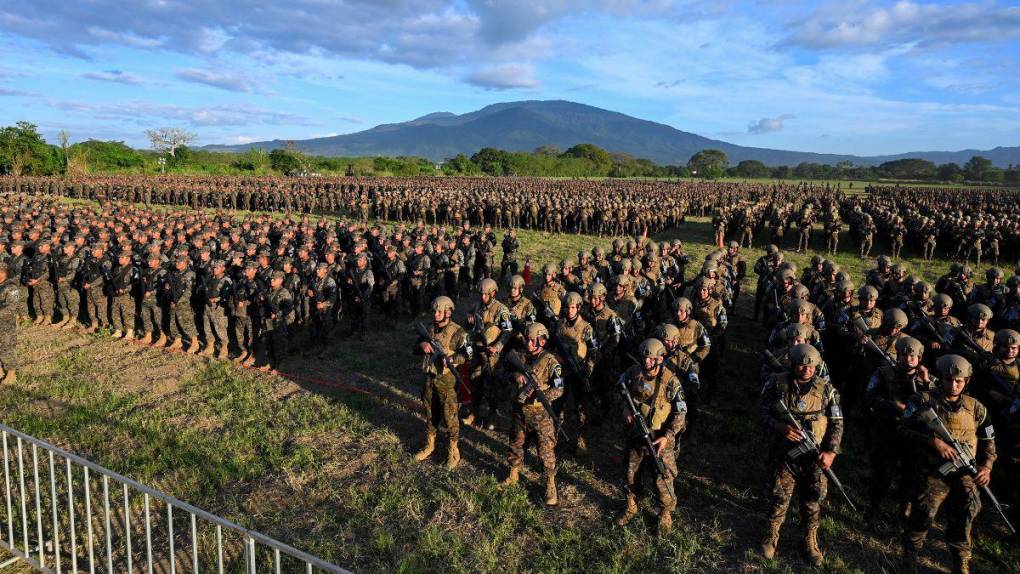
column 531, row 387
column 929, row 324
column 641, row 424
column 568, row 356
column 808, row 447
column 964, row 459
column 870, row 344
column 355, row 284
column 441, row 357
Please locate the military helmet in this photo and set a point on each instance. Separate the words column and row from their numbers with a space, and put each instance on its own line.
column 700, row 283
column 710, row 266
column 796, row 331
column 733, row 245
column 867, row 293
column 805, row 355
column 550, row 269
column 517, row 281
column 1007, row 338
column 1013, row 282
column 682, row 303
column 951, row 366
column 635, row 263
column 598, row 291
column 816, row 260
column 801, row 292
column 442, row 303
column 942, row 300
column 537, row 331
column 582, row 255
column 883, row 260
column 785, row 273
column 567, row 263
column 487, row 286
column 909, row 346
column 895, row 318
column 899, row 269
column 617, row 244
column 993, row 273
column 598, row 251
column 844, row 286
column 800, row 307
column 573, row 298
column 667, row 332
column 622, row 280
column 966, row 270
column 979, row 311
column 955, row 267
column 652, row 348
column 921, row 288
column 771, row 249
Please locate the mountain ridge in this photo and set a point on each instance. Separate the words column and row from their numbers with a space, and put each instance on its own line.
column 527, row 125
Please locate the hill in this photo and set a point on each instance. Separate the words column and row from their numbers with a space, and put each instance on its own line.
column 526, row 125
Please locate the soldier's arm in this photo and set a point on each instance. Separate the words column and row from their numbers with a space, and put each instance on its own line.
column 769, row 396
column 834, row 431
column 678, row 409
column 555, row 382
column 986, row 454
column 703, row 344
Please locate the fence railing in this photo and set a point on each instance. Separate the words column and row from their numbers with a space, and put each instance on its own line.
column 67, row 514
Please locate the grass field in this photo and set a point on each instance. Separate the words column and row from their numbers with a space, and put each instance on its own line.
column 321, row 459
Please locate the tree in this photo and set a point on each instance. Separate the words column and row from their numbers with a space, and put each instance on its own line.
column 976, row 167
column 950, row 172
column 284, row 161
column 708, row 163
column 752, row 168
column 492, row 161
column 169, row 140
column 908, row 169
column 24, row 152
column 548, row 150
column 253, row 159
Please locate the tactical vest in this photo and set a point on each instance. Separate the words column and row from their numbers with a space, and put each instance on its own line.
column 451, row 338
column 809, row 407
column 652, row 395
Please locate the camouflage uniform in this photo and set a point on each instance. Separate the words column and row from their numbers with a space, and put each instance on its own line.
column 10, row 299
column 531, row 416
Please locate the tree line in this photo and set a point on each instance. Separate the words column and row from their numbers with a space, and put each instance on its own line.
column 23, row 151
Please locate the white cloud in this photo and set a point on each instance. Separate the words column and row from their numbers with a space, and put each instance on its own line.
column 768, row 125
column 504, row 77
column 116, row 76
column 229, row 81
column 863, row 24
column 146, row 113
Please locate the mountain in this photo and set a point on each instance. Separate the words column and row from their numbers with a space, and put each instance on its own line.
column 524, row 126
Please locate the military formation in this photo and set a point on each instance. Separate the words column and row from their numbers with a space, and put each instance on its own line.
column 623, row 343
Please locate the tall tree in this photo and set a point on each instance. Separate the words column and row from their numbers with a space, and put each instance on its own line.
column 708, row 163
column 976, row 167
column 169, row 140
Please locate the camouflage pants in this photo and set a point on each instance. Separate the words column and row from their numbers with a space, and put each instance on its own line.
column 215, row 327
column 275, row 340
column 8, row 341
column 637, row 452
column 888, row 459
column 832, row 242
column 439, row 396
column 178, row 321
column 150, row 323
column 964, row 503
column 810, row 484
column 929, row 250
column 321, row 326
column 533, row 419
column 68, row 301
column 866, row 245
column 245, row 331
column 95, row 306
column 122, row 313
column 40, row 300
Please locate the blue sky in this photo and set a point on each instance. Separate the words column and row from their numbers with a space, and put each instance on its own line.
column 853, row 76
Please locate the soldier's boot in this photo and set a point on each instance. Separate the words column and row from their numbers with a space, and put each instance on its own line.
column 63, row 321
column 426, row 451
column 117, row 334
column 248, row 360
column 10, row 377
column 666, row 521
column 961, row 562
column 452, row 456
column 209, row 350
column 551, row 498
column 512, row 478
column 160, row 340
column 223, row 354
column 770, row 542
column 194, row 347
column 176, row 345
column 129, row 334
column 811, row 549
column 629, row 512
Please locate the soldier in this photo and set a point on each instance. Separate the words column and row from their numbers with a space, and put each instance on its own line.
column 886, row 396
column 511, row 247
column 65, row 268
column 815, row 404
column 659, row 397
column 277, row 315
column 394, row 271
column 521, row 308
column 176, row 291
column 93, row 277
column 1002, row 387
column 489, row 312
column 147, row 292
column 439, row 394
column 694, row 338
column 35, row 276
column 419, row 267
column 530, row 416
column 975, row 332
column 737, row 271
column 360, row 282
column 765, row 268
column 123, row 278
column 867, row 234
column 10, row 295
column 967, row 421
column 219, row 291
column 246, row 312
column 607, row 330
column 575, row 344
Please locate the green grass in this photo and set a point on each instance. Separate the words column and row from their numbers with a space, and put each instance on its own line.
column 328, row 470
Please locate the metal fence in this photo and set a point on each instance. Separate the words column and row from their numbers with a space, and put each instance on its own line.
column 66, row 514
